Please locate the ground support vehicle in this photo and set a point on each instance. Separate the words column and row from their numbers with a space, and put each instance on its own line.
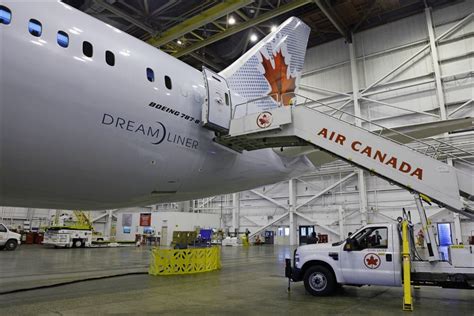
column 8, row 239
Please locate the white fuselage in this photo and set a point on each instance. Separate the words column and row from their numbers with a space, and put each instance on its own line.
column 78, row 133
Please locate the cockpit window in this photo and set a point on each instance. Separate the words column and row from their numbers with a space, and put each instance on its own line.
column 63, row 39
column 150, row 74
column 35, row 27
column 5, row 15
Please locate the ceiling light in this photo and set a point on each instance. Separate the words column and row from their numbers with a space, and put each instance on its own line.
column 253, row 38
column 274, row 28
column 231, row 20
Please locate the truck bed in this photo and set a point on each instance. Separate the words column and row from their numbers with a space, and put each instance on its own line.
column 458, row 272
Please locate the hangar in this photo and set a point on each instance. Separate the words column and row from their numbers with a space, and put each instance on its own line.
column 236, row 156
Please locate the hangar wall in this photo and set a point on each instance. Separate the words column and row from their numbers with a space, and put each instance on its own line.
column 378, row 51
column 171, row 221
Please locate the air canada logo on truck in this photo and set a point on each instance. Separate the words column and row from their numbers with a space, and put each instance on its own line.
column 372, row 261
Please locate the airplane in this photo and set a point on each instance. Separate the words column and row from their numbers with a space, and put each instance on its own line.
column 93, row 118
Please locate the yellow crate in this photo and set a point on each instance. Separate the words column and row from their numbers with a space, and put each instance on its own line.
column 184, row 261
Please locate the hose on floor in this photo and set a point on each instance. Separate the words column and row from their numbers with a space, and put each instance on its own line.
column 70, row 282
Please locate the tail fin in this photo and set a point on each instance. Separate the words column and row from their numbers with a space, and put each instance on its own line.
column 272, row 67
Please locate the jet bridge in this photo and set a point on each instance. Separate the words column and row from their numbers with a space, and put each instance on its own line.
column 381, row 152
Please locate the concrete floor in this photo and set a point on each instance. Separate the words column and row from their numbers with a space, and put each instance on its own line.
column 250, row 283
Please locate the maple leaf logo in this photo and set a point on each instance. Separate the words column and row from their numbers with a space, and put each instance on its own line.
column 277, row 79
column 372, row 261
column 264, row 120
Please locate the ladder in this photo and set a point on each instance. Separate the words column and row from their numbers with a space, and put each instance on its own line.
column 349, row 138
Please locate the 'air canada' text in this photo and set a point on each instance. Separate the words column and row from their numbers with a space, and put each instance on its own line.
column 374, row 153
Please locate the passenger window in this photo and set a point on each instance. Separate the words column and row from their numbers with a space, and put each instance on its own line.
column 3, row 229
column 150, row 75
column 63, row 39
column 35, row 27
column 87, row 49
column 168, row 82
column 5, row 15
column 110, row 58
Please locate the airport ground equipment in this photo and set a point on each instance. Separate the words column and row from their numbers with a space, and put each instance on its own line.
column 381, row 151
column 76, row 234
column 356, row 261
column 376, row 254
column 67, row 237
column 8, row 240
column 379, row 254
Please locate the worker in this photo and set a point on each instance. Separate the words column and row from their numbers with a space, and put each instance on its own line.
column 245, row 239
column 420, row 238
column 376, row 239
column 312, row 239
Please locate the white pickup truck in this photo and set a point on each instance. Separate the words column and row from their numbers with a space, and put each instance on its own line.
column 372, row 256
column 8, row 239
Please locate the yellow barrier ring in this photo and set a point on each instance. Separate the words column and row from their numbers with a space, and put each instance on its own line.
column 184, row 261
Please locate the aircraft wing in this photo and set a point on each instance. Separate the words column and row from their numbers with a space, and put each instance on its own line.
column 407, row 133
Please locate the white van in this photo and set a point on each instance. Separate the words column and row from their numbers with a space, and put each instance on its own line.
column 8, row 239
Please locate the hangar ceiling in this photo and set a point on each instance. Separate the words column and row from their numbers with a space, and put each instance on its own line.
column 215, row 33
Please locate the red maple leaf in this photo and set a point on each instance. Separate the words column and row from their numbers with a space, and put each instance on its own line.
column 263, row 120
column 277, row 79
column 372, row 261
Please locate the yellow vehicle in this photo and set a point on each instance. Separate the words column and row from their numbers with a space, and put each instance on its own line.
column 76, row 234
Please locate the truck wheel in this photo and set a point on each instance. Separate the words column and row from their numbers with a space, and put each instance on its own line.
column 319, row 281
column 11, row 245
column 77, row 243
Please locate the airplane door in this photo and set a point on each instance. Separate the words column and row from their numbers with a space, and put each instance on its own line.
column 217, row 107
column 164, row 236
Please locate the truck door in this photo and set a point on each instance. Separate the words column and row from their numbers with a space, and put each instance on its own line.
column 217, row 107
column 371, row 259
column 3, row 234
